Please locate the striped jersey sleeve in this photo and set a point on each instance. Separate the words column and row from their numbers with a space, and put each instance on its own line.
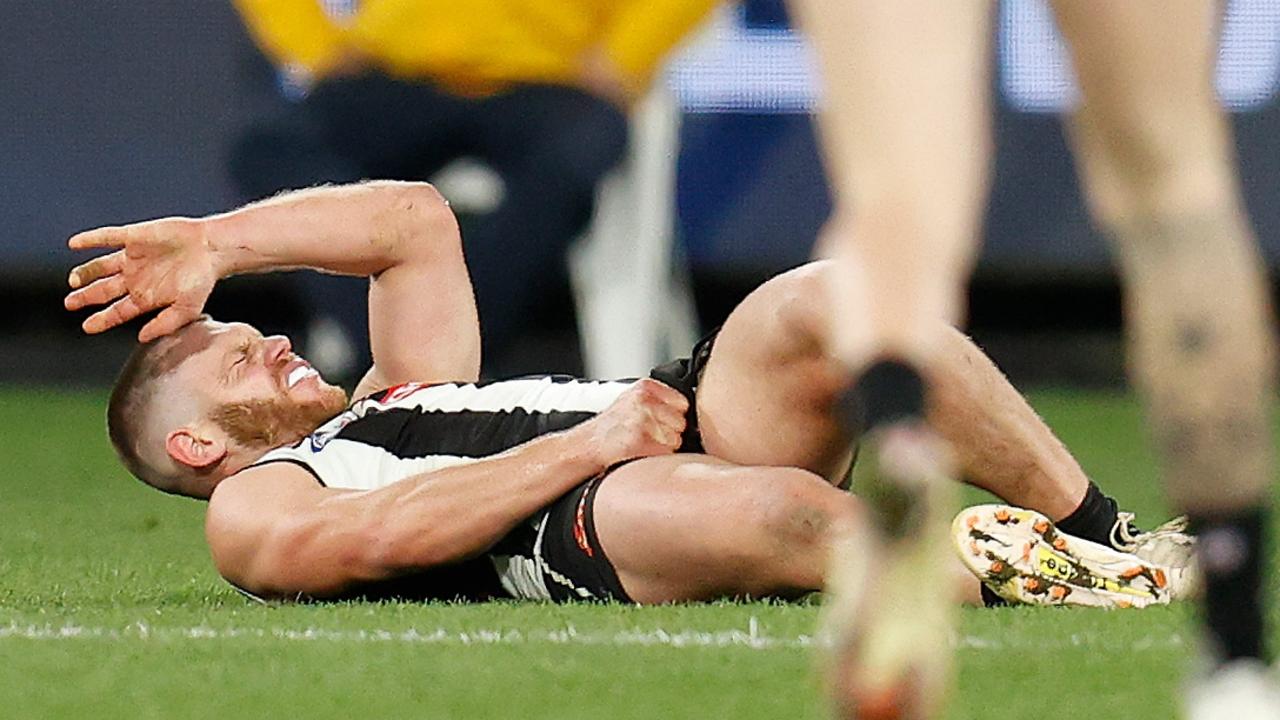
column 412, row 429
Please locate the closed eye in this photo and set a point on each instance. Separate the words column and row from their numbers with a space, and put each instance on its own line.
column 241, row 356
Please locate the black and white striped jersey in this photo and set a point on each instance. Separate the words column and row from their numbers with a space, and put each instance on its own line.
column 413, row 428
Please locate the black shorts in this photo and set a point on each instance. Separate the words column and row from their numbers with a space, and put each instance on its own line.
column 575, row 566
column 684, row 375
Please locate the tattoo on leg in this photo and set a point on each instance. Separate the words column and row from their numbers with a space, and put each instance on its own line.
column 1194, row 336
column 1199, row 328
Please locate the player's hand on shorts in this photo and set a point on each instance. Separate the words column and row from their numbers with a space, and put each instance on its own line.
column 646, row 420
column 163, row 265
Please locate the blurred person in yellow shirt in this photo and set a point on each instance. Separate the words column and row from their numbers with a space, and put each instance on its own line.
column 538, row 90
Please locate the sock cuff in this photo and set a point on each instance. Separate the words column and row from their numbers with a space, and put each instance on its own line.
column 1227, row 541
column 1231, row 549
column 1093, row 519
column 888, row 391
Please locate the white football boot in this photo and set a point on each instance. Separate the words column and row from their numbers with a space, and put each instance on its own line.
column 886, row 626
column 1025, row 559
column 1238, row 690
column 1169, row 545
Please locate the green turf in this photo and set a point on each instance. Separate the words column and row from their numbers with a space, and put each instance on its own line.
column 109, row 608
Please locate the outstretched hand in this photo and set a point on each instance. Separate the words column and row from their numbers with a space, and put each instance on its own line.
column 163, row 265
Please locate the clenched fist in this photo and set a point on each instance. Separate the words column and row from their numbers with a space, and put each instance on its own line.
column 647, row 419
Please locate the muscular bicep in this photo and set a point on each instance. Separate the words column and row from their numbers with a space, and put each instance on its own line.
column 275, row 532
column 423, row 325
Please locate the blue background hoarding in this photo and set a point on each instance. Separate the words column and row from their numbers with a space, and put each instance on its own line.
column 118, row 111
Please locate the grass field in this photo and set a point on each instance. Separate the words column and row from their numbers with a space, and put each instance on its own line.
column 109, row 608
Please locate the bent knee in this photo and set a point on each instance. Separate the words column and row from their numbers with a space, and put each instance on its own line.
column 768, row 532
column 786, row 505
column 799, row 509
column 797, row 303
column 798, row 521
column 1157, row 165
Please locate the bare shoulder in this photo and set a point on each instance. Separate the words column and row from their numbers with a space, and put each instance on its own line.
column 257, row 490
column 247, row 507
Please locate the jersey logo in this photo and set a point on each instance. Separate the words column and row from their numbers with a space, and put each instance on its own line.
column 330, row 430
column 580, row 526
column 400, row 392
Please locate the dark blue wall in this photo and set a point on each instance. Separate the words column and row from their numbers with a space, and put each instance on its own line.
column 115, row 111
column 109, row 112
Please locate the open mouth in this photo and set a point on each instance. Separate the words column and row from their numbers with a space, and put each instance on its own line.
column 298, row 371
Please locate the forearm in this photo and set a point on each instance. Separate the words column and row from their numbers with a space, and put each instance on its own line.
column 324, row 547
column 361, row 229
column 453, row 514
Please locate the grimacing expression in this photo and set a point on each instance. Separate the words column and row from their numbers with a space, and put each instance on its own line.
column 255, row 387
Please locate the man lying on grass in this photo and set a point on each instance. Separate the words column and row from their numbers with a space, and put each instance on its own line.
column 720, row 476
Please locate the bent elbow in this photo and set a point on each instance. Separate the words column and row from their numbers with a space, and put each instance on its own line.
column 412, row 222
column 303, row 558
column 432, row 227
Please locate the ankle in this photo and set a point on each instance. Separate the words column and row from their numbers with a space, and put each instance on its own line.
column 1231, row 551
column 887, row 392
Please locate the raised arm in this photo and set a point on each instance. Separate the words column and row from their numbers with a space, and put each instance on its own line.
column 422, row 315
column 275, row 532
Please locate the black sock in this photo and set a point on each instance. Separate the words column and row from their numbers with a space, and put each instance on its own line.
column 991, row 599
column 1231, row 553
column 889, row 391
column 1093, row 519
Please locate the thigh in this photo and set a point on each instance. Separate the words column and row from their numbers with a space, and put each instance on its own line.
column 691, row 527
column 767, row 393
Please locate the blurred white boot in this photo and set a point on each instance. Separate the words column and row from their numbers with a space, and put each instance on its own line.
column 1238, row 690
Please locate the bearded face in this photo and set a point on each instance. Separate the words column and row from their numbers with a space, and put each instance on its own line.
column 282, row 420
column 208, row 400
column 255, row 388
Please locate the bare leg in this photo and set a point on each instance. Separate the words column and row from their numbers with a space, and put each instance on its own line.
column 906, row 135
column 1002, row 445
column 905, row 132
column 1157, row 158
column 768, row 396
column 692, row 527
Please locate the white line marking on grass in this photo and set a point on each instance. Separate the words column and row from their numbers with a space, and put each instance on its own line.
column 568, row 635
column 751, row 639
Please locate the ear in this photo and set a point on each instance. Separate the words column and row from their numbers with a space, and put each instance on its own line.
column 190, row 448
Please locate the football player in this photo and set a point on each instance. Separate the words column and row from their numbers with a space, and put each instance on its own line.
column 718, row 476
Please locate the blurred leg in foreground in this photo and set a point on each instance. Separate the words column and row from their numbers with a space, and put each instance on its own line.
column 906, row 143
column 1156, row 155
